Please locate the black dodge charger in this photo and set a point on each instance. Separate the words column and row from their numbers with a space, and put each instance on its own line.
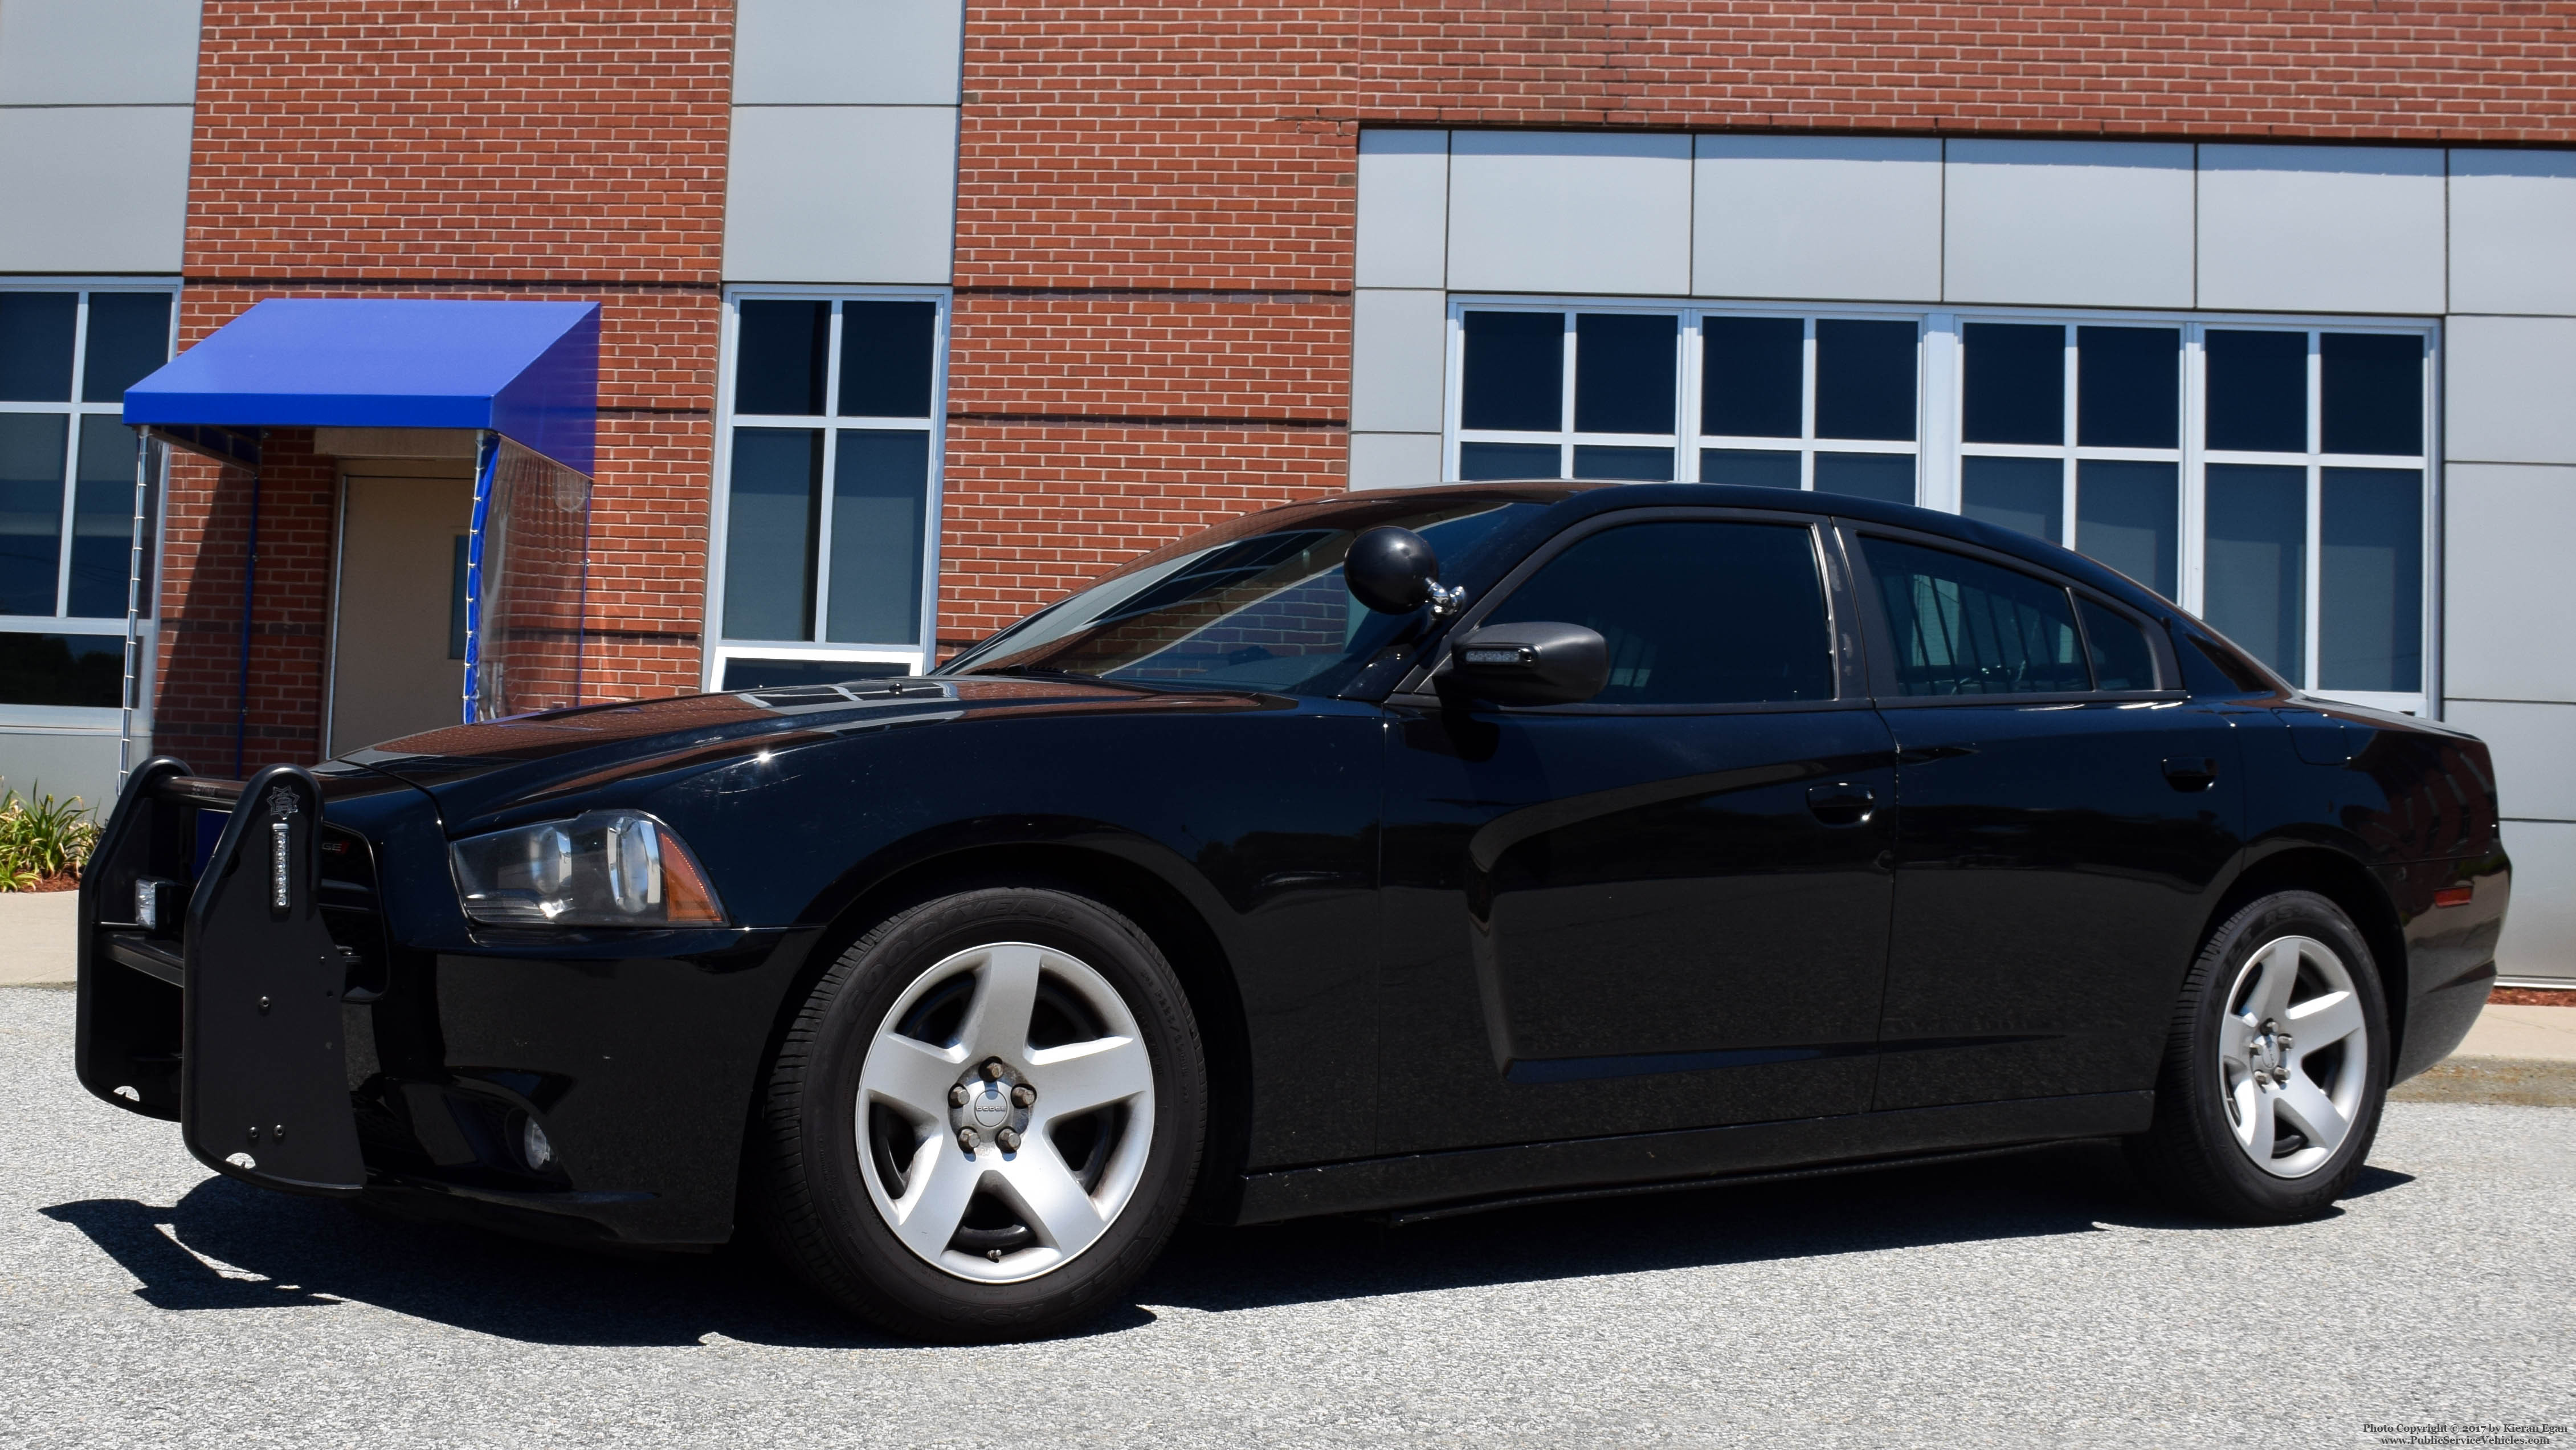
column 1401, row 852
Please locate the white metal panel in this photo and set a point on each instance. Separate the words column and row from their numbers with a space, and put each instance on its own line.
column 2322, row 228
column 1829, row 217
column 1394, row 460
column 2505, row 560
column 1398, row 339
column 2540, row 926
column 63, row 763
column 2513, row 231
column 93, row 189
column 1403, row 209
column 98, row 52
column 2535, row 771
column 841, row 194
column 1539, row 211
column 2506, row 390
column 2067, row 223
column 847, row 52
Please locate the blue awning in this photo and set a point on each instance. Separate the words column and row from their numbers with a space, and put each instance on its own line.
column 527, row 370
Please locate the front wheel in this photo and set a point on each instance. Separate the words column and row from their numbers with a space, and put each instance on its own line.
column 2277, row 1068
column 986, row 1119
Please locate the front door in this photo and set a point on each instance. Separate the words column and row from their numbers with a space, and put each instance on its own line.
column 1664, row 908
column 398, row 630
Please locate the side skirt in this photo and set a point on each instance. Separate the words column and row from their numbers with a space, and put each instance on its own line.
column 1471, row 1178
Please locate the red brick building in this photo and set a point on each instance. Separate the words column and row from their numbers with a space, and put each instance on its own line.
column 1179, row 261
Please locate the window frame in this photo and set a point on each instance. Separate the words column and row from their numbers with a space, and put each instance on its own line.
column 719, row 649
column 90, row 719
column 1939, row 448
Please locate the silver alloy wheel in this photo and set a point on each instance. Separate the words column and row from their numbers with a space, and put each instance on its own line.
column 950, row 1107
column 2293, row 1056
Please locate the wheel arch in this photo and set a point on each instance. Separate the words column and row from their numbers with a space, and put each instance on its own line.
column 2347, row 883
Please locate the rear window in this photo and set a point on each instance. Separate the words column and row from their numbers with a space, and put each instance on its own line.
column 1966, row 627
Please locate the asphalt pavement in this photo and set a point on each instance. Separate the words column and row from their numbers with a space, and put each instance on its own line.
column 2032, row 1300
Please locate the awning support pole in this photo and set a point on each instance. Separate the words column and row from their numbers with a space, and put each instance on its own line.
column 250, row 591
column 133, row 611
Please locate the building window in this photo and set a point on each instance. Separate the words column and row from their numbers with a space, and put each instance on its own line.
column 2273, row 477
column 67, row 504
column 828, row 476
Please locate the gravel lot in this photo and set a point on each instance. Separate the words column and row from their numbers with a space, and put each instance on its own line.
column 2029, row 1300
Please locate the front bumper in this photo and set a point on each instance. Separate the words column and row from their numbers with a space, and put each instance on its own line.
column 323, row 1021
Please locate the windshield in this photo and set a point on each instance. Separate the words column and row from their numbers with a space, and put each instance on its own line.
column 1256, row 604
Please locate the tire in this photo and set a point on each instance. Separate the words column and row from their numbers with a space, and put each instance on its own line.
column 1087, row 1119
column 2276, row 1070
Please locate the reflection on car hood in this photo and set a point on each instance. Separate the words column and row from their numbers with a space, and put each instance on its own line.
column 472, row 769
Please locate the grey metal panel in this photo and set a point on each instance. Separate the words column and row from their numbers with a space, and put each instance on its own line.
column 93, row 188
column 2067, row 223
column 2325, row 228
column 1399, row 351
column 66, row 764
column 98, row 52
column 2513, row 231
column 841, row 194
column 2535, row 770
column 1403, row 209
column 847, row 52
column 2505, row 539
column 1544, row 211
column 1828, row 217
column 2540, row 926
column 1394, row 460
column 2506, row 389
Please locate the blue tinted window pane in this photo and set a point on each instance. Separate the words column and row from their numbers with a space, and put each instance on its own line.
column 757, row 674
column 103, row 521
column 880, row 492
column 36, row 345
column 1515, row 373
column 1966, row 627
column 2255, row 590
column 456, row 576
column 2370, row 586
column 2258, row 390
column 2128, row 516
column 2373, row 387
column 886, row 359
column 62, row 669
column 1506, row 460
column 2028, row 494
column 774, row 503
column 129, row 337
column 31, row 510
column 1887, row 477
column 1633, row 465
column 1752, row 374
column 1865, row 380
column 1623, row 373
column 1694, row 613
column 2122, row 658
column 1751, row 467
column 2128, row 387
column 780, row 354
column 2016, row 383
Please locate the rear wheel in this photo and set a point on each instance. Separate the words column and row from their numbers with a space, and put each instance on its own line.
column 985, row 1120
column 2276, row 1071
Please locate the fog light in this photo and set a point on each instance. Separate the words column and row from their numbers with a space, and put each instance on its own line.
column 534, row 1150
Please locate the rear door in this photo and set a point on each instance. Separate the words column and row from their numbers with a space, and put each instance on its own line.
column 1663, row 908
column 2067, row 813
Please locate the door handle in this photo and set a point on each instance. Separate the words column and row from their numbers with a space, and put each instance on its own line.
column 1841, row 803
column 2191, row 772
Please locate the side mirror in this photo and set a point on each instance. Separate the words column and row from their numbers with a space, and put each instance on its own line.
column 1392, row 570
column 1529, row 664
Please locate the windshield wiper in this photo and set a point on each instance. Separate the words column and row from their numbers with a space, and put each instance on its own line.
column 1040, row 672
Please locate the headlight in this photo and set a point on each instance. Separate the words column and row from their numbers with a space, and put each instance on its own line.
column 606, row 868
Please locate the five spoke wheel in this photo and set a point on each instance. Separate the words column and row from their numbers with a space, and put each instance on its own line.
column 2293, row 1058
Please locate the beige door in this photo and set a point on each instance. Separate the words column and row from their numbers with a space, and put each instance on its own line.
column 395, row 669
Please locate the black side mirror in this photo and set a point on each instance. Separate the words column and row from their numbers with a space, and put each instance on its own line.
column 1529, row 664
column 1392, row 570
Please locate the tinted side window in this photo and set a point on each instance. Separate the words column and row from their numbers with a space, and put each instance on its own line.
column 1965, row 627
column 1695, row 612
column 2122, row 658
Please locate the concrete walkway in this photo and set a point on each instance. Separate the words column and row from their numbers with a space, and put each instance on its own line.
column 36, row 937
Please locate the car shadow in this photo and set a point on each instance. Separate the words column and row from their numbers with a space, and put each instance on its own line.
column 226, row 1246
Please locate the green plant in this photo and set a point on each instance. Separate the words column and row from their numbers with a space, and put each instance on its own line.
column 42, row 838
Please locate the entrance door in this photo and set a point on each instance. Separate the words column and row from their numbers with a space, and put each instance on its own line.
column 398, row 639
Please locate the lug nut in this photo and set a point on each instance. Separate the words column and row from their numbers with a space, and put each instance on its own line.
column 1023, row 1095
column 992, row 1069
column 967, row 1140
column 1009, row 1140
column 957, row 1096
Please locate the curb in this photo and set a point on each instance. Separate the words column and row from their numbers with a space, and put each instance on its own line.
column 2529, row 1082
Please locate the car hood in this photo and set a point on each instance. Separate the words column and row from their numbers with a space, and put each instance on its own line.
column 475, row 770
